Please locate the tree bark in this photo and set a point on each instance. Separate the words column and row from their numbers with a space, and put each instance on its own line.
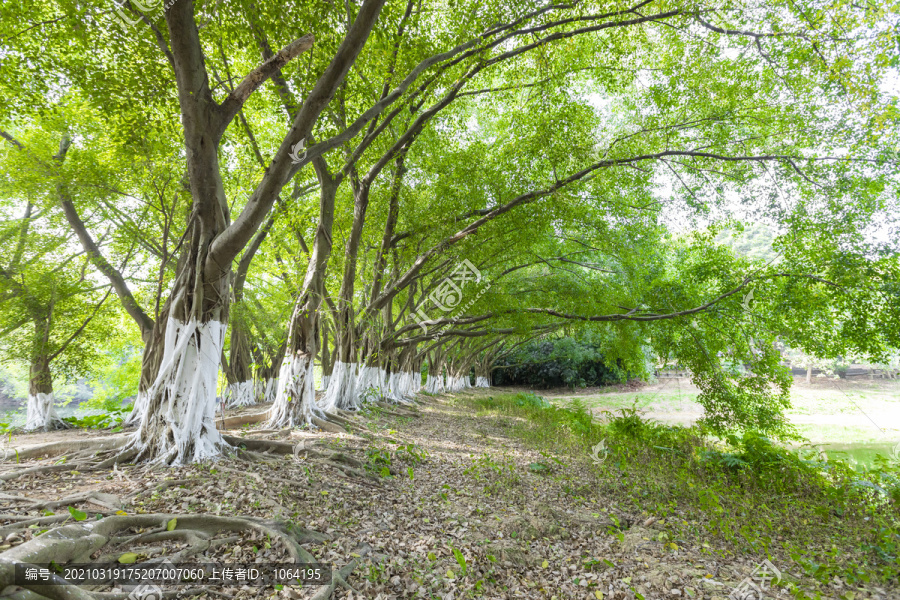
column 40, row 413
column 295, row 403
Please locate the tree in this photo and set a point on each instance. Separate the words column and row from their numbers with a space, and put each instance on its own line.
column 439, row 140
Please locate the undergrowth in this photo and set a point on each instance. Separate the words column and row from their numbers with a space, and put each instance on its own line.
column 820, row 517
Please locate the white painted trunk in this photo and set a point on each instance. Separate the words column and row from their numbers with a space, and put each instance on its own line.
column 271, row 391
column 482, row 382
column 41, row 415
column 415, row 381
column 370, row 382
column 137, row 410
column 183, row 428
column 457, row 383
column 392, row 389
column 295, row 403
column 409, row 384
column 341, row 393
column 240, row 394
column 434, row 384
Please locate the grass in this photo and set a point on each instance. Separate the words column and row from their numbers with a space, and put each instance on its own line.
column 859, row 411
column 819, row 518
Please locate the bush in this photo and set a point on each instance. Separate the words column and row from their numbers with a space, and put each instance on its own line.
column 556, row 363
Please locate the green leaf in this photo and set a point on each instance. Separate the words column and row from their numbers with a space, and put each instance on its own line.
column 461, row 560
column 77, row 514
column 171, row 524
column 129, row 558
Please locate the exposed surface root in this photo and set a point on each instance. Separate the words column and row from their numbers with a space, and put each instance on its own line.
column 340, row 420
column 64, row 447
column 395, row 410
column 241, row 420
column 328, row 426
column 79, row 542
column 338, row 577
column 272, row 446
column 34, row 471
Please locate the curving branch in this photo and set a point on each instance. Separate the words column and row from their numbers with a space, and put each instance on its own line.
column 236, row 99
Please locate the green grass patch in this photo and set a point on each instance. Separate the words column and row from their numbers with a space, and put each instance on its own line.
column 751, row 496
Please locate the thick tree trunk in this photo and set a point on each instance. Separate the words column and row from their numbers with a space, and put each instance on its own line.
column 325, row 359
column 434, row 381
column 178, row 425
column 40, row 413
column 267, row 375
column 371, row 382
column 240, row 389
column 295, row 403
column 342, row 391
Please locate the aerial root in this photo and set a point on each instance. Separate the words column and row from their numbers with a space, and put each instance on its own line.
column 77, row 542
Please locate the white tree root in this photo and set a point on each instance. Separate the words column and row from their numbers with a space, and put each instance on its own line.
column 41, row 415
column 179, row 426
column 242, row 393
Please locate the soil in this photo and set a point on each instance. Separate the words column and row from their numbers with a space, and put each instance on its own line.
column 520, row 531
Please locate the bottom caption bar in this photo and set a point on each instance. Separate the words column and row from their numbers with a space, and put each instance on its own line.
column 167, row 573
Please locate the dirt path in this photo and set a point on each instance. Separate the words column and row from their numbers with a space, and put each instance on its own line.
column 459, row 483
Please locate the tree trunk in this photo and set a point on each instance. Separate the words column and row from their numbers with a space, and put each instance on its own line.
column 342, row 392
column 240, row 389
column 178, row 425
column 434, row 381
column 40, row 413
column 809, row 373
column 295, row 403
